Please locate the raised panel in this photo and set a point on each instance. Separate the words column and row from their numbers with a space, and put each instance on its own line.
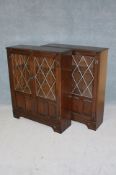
column 52, row 110
column 20, row 102
column 28, row 104
column 87, row 107
column 77, row 105
column 42, row 107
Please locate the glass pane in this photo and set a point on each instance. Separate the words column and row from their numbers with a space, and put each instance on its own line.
column 21, row 73
column 45, row 80
column 82, row 75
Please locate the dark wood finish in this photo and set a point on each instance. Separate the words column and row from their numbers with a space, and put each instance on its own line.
column 40, row 81
column 79, row 74
column 76, row 47
column 39, row 48
column 88, row 109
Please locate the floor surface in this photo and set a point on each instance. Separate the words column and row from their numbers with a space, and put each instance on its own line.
column 30, row 148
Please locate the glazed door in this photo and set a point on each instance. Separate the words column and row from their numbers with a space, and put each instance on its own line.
column 21, row 77
column 84, row 85
column 45, row 85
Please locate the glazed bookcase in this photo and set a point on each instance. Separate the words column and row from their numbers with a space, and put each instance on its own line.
column 40, row 82
column 89, row 66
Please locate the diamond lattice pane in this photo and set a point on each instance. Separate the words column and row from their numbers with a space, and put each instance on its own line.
column 45, row 80
column 82, row 75
column 21, row 73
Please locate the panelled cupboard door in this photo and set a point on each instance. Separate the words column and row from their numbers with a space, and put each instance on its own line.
column 20, row 63
column 45, row 84
column 84, row 77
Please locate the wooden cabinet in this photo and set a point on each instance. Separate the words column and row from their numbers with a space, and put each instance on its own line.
column 88, row 83
column 55, row 83
column 40, row 80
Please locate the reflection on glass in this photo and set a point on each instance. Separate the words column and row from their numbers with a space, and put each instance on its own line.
column 45, row 80
column 21, row 73
column 82, row 75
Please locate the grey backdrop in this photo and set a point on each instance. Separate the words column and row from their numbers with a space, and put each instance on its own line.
column 85, row 22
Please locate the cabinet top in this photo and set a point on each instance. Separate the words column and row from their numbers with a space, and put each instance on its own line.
column 76, row 47
column 40, row 48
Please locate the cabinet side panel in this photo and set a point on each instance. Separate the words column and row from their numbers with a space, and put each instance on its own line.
column 58, row 85
column 11, row 79
column 102, row 70
column 66, row 79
